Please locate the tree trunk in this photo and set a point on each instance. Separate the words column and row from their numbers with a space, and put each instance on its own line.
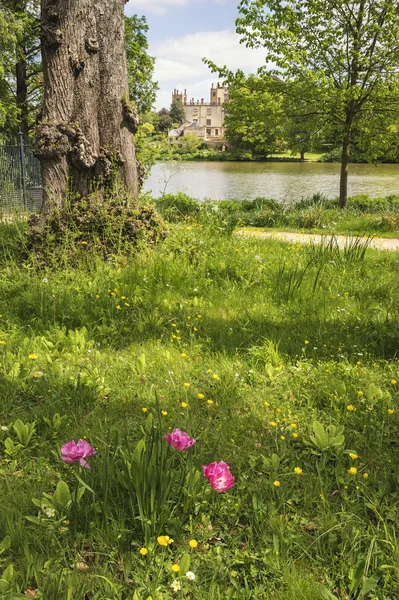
column 85, row 135
column 346, row 146
column 302, row 155
column 343, row 182
column 22, row 93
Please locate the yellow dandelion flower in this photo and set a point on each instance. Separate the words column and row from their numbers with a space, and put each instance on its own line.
column 306, row 342
column 298, row 470
column 214, row 376
column 33, row 356
column 2, row 342
column 84, row 243
column 209, row 371
column 294, row 425
column 295, row 435
column 276, row 483
column 195, row 328
column 175, row 568
column 360, row 393
column 164, row 413
column 390, row 411
column 351, row 408
column 143, row 551
column 282, row 437
column 278, row 410
column 201, row 396
column 183, row 355
column 272, row 423
column 118, row 307
column 126, row 304
column 353, row 455
column 164, row 540
column 144, row 409
column 187, row 385
column 352, row 471
column 193, row 543
column 393, row 381
column 365, row 475
column 267, row 404
column 184, row 404
column 209, row 402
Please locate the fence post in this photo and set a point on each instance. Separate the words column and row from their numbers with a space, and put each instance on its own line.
column 23, row 169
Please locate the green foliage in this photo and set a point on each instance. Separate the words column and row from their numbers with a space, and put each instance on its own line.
column 140, row 66
column 330, row 439
column 254, row 113
column 176, row 112
column 93, row 226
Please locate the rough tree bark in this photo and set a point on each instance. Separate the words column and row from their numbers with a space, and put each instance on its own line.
column 86, row 129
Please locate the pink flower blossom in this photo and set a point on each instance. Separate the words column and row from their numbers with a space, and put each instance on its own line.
column 219, row 476
column 72, row 452
column 179, row 440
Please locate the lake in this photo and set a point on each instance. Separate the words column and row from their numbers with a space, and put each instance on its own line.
column 282, row 181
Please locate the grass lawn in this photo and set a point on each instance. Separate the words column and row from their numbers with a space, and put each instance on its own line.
column 279, row 360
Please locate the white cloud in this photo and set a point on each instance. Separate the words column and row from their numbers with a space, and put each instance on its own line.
column 179, row 62
column 157, row 7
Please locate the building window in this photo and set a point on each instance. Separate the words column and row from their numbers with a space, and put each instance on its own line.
column 208, row 122
column 216, row 131
column 195, row 120
column 208, row 132
column 208, row 112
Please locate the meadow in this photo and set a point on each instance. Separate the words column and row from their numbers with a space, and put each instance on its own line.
column 279, row 360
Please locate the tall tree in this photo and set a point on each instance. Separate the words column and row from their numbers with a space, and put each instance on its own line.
column 24, row 71
column 10, row 30
column 348, row 48
column 85, row 135
column 140, row 66
column 253, row 115
column 177, row 113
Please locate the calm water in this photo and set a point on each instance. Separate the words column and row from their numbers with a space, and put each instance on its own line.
column 280, row 181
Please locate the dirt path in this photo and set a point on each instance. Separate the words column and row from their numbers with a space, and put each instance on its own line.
column 313, row 238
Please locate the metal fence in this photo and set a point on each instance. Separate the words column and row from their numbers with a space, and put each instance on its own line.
column 20, row 178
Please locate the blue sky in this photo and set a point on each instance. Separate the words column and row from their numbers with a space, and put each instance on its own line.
column 182, row 32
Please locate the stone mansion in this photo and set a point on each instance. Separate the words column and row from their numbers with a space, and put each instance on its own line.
column 205, row 119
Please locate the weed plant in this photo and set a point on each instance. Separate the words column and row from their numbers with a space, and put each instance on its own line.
column 280, row 360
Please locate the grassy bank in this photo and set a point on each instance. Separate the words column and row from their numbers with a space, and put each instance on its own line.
column 279, row 360
column 316, row 214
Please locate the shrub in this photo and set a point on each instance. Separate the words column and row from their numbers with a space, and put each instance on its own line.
column 95, row 225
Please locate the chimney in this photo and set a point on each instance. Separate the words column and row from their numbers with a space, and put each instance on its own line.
column 185, row 92
column 212, row 85
column 202, row 101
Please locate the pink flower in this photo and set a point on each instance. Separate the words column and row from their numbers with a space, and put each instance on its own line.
column 219, row 476
column 72, row 452
column 179, row 440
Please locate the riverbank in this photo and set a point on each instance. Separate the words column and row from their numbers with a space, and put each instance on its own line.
column 279, row 360
column 316, row 214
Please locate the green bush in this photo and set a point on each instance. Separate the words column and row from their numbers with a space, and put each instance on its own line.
column 93, row 226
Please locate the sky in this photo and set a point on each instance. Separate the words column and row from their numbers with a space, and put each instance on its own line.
column 181, row 33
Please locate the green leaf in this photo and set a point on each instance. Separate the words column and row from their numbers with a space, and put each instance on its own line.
column 370, row 584
column 5, row 544
column 6, row 578
column 184, row 563
column 62, row 495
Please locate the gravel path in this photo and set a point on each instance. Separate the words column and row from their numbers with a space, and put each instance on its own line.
column 313, row 238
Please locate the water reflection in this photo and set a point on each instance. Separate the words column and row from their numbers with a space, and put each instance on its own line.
column 281, row 181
